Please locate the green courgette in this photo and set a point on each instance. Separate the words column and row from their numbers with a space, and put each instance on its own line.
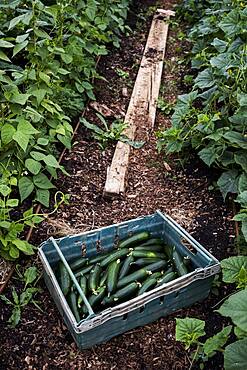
column 145, row 261
column 98, row 258
column 134, row 239
column 167, row 278
column 94, row 277
column 121, row 294
column 114, row 256
column 95, row 299
column 72, row 301
column 84, row 271
column 64, row 278
column 83, row 285
column 156, row 266
column 78, row 263
column 126, row 266
column 112, row 276
column 150, row 248
column 135, row 276
column 177, row 260
column 147, row 254
column 147, row 285
column 103, row 278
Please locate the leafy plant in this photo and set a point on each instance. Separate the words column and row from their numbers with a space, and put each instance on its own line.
column 211, row 118
column 189, row 330
column 164, row 106
column 121, row 73
column 19, row 302
column 110, row 133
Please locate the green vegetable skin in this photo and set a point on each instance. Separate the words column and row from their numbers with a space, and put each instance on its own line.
column 83, row 285
column 78, row 263
column 147, row 254
column 178, row 263
column 126, row 266
column 112, row 276
column 145, row 261
column 94, row 277
column 122, row 293
column 84, row 271
column 150, row 248
column 114, row 256
column 64, row 278
column 134, row 239
column 95, row 299
column 167, row 278
column 147, row 285
column 72, row 301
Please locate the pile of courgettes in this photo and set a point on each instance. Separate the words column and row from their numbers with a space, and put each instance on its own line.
column 138, row 264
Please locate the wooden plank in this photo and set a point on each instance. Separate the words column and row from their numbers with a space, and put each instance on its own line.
column 142, row 107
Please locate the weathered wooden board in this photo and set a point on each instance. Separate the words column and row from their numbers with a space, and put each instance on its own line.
column 142, row 107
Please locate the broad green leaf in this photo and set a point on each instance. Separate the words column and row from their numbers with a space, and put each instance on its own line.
column 43, row 197
column 43, row 76
column 27, row 295
column 220, row 45
column 5, row 44
column 216, row 342
column 26, row 187
column 14, row 252
column 39, row 94
column 33, row 166
column 244, row 229
column 51, row 161
column 235, row 307
column 5, row 224
column 24, row 246
column 7, row 133
column 15, row 21
column 236, row 138
column 43, row 141
column 242, row 185
column 19, row 47
column 205, row 79
column 25, row 127
column 242, row 199
column 12, row 202
column 208, row 155
column 5, row 190
column 30, row 275
column 230, row 23
column 134, row 144
column 240, row 334
column 22, row 139
column 15, row 316
column 228, row 182
column 241, row 216
column 19, row 98
column 37, row 155
column 241, row 159
column 3, row 56
column 231, row 267
column 20, row 38
column 66, row 58
column 188, row 330
column 235, row 356
column 42, row 181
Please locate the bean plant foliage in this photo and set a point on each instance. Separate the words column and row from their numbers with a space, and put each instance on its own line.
column 48, row 53
column 212, row 117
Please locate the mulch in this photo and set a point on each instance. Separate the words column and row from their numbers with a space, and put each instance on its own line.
column 42, row 341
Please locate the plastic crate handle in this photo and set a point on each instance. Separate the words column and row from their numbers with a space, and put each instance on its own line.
column 80, row 291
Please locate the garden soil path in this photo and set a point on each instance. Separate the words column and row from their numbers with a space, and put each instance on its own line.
column 42, row 341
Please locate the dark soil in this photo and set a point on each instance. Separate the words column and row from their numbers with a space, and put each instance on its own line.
column 42, row 341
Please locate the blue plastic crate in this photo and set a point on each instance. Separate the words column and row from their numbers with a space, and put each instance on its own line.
column 159, row 302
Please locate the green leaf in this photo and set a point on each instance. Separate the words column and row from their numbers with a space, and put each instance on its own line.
column 24, row 246
column 242, row 199
column 5, row 190
column 236, row 138
column 220, row 45
column 19, row 98
column 242, row 185
column 5, row 44
column 235, row 307
column 228, row 182
column 5, row 224
column 231, row 267
column 43, row 141
column 7, row 133
column 42, row 181
column 14, row 252
column 208, row 155
column 43, row 197
column 15, row 317
column 216, row 342
column 15, row 296
column 37, row 156
column 12, row 202
column 51, row 161
column 244, row 229
column 205, row 79
column 30, row 275
column 19, row 47
column 21, row 38
column 26, row 187
column 44, row 77
column 242, row 216
column 241, row 159
column 3, row 56
column 22, row 139
column 39, row 94
column 235, row 357
column 33, row 166
column 230, row 23
column 188, row 330
column 26, row 128
column 240, row 334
